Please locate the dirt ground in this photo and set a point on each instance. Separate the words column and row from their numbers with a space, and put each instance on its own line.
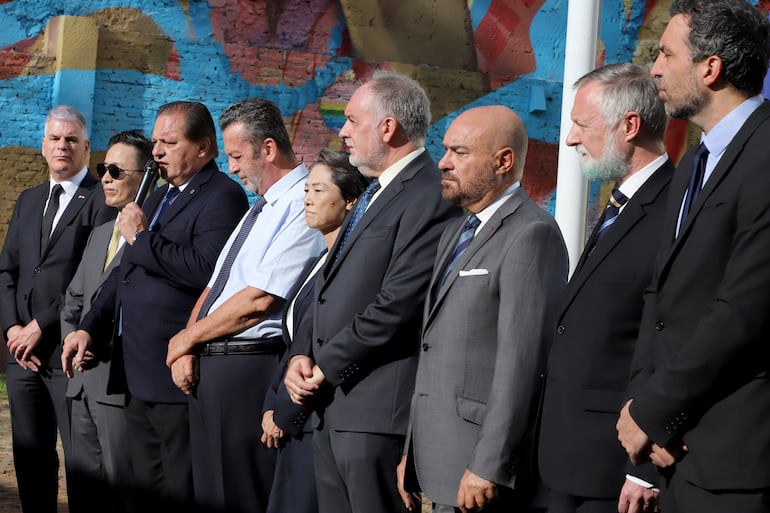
column 9, row 495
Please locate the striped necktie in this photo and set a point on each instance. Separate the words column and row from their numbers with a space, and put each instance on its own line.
column 611, row 212
column 168, row 199
column 695, row 184
column 112, row 249
column 466, row 236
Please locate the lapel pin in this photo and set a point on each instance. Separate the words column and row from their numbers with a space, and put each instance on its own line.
column 81, row 196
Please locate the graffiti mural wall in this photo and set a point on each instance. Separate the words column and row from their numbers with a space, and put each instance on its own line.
column 118, row 61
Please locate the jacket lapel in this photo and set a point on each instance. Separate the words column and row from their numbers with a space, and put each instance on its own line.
column 479, row 240
column 733, row 151
column 85, row 189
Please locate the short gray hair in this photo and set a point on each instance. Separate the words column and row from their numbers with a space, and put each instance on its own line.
column 70, row 115
column 402, row 98
column 628, row 87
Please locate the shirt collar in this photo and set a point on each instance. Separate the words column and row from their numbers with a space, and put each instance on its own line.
column 636, row 180
column 391, row 172
column 722, row 134
column 286, row 182
column 70, row 185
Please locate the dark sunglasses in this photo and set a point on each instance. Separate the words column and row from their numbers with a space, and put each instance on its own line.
column 115, row 172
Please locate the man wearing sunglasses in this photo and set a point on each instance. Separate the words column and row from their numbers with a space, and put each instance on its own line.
column 46, row 237
column 99, row 462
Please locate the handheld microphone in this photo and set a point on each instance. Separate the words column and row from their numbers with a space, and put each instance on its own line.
column 148, row 181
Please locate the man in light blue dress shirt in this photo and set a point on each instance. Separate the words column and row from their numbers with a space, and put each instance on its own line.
column 227, row 355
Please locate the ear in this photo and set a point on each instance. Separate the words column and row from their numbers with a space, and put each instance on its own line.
column 631, row 123
column 349, row 205
column 712, row 69
column 269, row 149
column 388, row 128
column 504, row 159
column 204, row 145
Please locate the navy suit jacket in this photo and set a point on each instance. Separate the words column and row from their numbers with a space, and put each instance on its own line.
column 161, row 277
column 32, row 285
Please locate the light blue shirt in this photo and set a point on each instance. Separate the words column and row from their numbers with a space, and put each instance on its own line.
column 277, row 249
column 721, row 136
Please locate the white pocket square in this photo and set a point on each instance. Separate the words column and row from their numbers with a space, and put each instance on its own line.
column 474, row 272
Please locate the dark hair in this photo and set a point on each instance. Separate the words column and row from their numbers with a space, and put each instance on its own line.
column 628, row 87
column 198, row 123
column 137, row 140
column 734, row 31
column 346, row 176
column 262, row 119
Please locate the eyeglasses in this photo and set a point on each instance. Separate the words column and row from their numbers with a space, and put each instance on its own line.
column 115, row 172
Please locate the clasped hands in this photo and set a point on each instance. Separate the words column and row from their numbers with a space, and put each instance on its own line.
column 303, row 379
column 639, row 446
column 75, row 354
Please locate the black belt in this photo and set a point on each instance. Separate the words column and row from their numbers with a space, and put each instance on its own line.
column 243, row 346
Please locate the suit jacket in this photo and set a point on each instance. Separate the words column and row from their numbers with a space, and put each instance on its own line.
column 594, row 337
column 162, row 275
column 368, row 302
column 700, row 369
column 484, row 343
column 291, row 417
column 82, row 290
column 31, row 284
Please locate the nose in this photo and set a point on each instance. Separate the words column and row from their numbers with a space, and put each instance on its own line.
column 655, row 69
column 344, row 131
column 573, row 138
column 445, row 163
column 106, row 178
column 157, row 150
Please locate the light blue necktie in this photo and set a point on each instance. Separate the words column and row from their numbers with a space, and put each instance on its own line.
column 358, row 213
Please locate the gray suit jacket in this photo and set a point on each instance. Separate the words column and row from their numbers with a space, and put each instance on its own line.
column 483, row 351
column 83, row 288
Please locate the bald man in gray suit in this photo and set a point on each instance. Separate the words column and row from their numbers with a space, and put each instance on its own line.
column 497, row 275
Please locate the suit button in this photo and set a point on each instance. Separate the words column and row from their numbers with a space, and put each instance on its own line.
column 126, row 281
column 36, row 270
column 24, row 297
column 425, row 347
column 561, row 329
column 321, row 300
column 319, row 341
column 659, row 326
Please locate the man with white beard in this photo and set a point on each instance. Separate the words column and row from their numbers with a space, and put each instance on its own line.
column 618, row 124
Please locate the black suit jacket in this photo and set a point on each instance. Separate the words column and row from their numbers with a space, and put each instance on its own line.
column 291, row 417
column 589, row 362
column 161, row 277
column 31, row 284
column 369, row 303
column 700, row 370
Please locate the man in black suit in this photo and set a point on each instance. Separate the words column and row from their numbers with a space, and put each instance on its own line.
column 617, row 128
column 46, row 237
column 369, row 300
column 171, row 248
column 699, row 395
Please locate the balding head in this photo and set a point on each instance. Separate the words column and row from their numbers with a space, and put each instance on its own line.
column 486, row 148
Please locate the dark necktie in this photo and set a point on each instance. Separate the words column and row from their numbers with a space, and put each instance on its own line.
column 358, row 213
column 49, row 215
column 227, row 265
column 466, row 236
column 696, row 180
column 168, row 199
column 611, row 212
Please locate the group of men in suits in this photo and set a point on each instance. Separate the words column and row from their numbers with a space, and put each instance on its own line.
column 446, row 354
